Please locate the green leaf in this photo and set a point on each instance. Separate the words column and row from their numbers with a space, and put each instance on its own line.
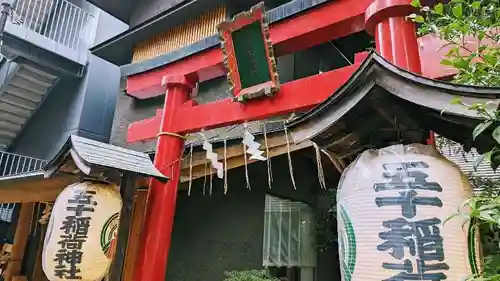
column 480, row 128
column 486, row 216
column 489, row 207
column 416, row 3
column 496, row 134
column 456, row 100
column 476, row 5
column 419, row 19
column 457, row 11
column 461, row 64
column 446, row 62
column 452, row 51
column 465, row 203
column 494, row 260
column 495, row 158
column 411, row 16
column 452, row 217
column 439, row 9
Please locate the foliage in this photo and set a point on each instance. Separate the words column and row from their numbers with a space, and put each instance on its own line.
column 484, row 209
column 471, row 29
column 249, row 275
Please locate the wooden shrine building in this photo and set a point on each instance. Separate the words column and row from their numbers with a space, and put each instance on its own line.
column 333, row 101
column 79, row 160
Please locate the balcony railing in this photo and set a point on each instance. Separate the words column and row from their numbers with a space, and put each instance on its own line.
column 14, row 164
column 58, row 21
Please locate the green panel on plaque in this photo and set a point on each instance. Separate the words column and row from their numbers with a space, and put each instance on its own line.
column 250, row 50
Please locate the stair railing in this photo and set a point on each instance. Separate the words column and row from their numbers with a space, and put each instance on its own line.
column 57, row 20
column 12, row 164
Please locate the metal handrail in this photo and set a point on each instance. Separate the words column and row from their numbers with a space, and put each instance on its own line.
column 57, row 20
column 12, row 164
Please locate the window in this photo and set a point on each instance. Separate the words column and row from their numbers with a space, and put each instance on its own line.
column 6, row 211
column 289, row 238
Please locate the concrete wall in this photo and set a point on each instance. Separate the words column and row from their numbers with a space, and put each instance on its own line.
column 218, row 233
column 146, row 9
column 82, row 106
column 74, row 106
column 102, row 87
column 107, row 27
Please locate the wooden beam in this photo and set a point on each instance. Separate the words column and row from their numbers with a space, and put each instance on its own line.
column 20, row 239
column 294, row 100
column 199, row 158
column 135, row 233
column 36, row 189
column 290, row 98
column 200, row 171
column 127, row 190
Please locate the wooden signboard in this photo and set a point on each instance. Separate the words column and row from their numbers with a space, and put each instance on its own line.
column 248, row 55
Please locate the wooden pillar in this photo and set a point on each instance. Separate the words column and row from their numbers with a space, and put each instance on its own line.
column 38, row 274
column 20, row 239
column 135, row 233
column 127, row 191
column 159, row 217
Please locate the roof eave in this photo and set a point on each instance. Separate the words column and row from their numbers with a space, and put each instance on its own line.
column 430, row 97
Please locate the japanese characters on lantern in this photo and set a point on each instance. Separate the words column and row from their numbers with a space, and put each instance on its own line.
column 420, row 238
column 392, row 204
column 81, row 234
column 75, row 228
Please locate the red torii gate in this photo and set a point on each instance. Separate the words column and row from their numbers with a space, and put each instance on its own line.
column 395, row 40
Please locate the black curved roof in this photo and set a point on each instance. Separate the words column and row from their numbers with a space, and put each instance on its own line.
column 382, row 104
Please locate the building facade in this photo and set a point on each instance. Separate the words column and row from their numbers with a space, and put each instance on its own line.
column 51, row 86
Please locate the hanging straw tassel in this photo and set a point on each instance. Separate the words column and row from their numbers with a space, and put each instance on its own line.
column 211, row 181
column 290, row 166
column 247, row 178
column 190, row 169
column 319, row 163
column 269, row 169
column 205, row 178
column 225, row 166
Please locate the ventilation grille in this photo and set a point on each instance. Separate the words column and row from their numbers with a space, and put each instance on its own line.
column 180, row 36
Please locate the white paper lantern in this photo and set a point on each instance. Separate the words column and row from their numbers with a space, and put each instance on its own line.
column 391, row 207
column 81, row 233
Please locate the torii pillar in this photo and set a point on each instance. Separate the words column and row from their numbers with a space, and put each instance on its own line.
column 395, row 36
column 160, row 207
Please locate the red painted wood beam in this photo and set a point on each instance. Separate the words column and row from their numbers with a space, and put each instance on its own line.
column 296, row 95
column 330, row 21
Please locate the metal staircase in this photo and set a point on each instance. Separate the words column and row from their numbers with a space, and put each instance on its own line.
column 53, row 37
column 24, row 89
